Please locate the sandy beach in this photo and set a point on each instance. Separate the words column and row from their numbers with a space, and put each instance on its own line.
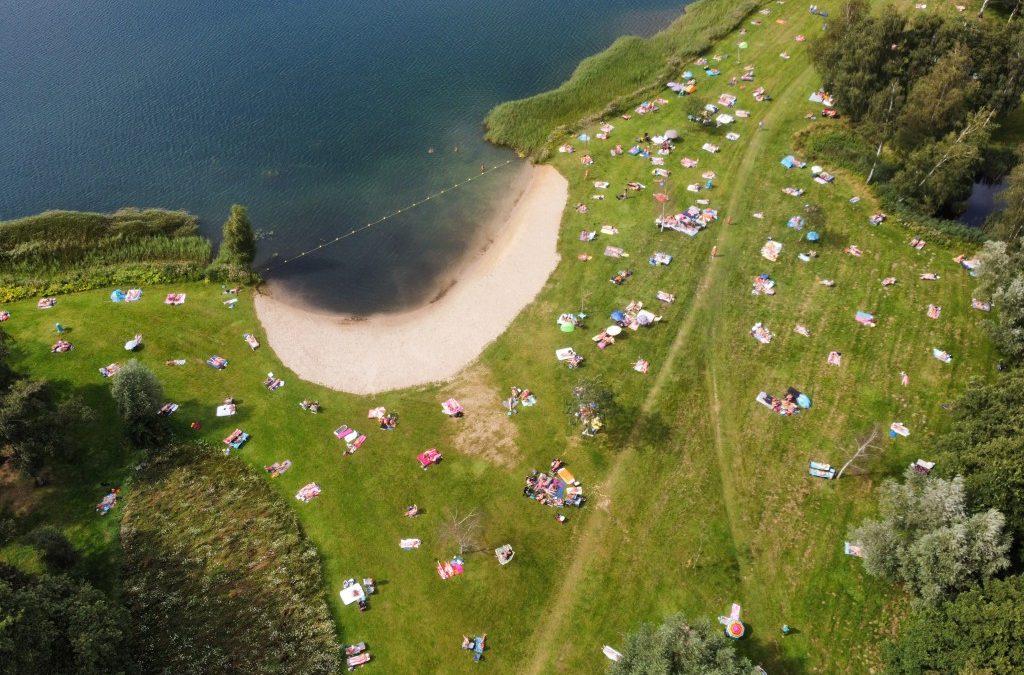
column 390, row 351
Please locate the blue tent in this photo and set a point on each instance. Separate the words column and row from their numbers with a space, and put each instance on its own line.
column 789, row 161
column 618, row 316
column 813, row 236
column 583, row 137
column 117, row 296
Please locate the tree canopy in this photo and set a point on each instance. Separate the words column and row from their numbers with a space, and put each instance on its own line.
column 982, row 631
column 138, row 396
column 678, row 648
column 238, row 243
column 926, row 538
column 53, row 624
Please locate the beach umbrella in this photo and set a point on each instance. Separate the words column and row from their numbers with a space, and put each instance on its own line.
column 813, row 236
column 803, row 401
column 661, row 197
column 658, row 140
column 617, row 315
column 132, row 344
column 735, row 629
column 583, row 137
column 567, row 327
column 743, row 45
column 671, row 134
column 613, row 330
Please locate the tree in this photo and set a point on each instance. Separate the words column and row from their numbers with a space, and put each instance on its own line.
column 463, row 531
column 865, row 446
column 1002, row 279
column 139, row 396
column 986, row 447
column 926, row 539
column 852, row 61
column 238, row 244
column 941, row 172
column 1007, row 224
column 982, row 631
column 53, row 624
column 943, row 98
column 678, row 648
column 34, row 427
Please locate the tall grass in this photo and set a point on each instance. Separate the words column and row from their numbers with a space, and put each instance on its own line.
column 218, row 574
column 64, row 251
column 606, row 83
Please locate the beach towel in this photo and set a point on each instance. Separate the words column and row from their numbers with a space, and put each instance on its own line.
column 934, row 311
column 357, row 660
column 899, row 429
column 688, row 163
column 611, row 653
column 108, row 502
column 615, row 252
column 175, row 299
column 771, row 249
column 945, row 357
column 979, row 304
column 802, row 330
column 820, row 470
column 641, row 366
column 46, row 303
column 732, row 136
column 251, row 340
column 429, row 457
column 217, row 362
column 110, row 371
column 853, row 549
column 342, row 431
column 665, row 297
column 835, row 358
column 710, row 147
column 865, row 319
column 307, row 492
column 4, row 316
column 226, row 410
column 133, row 295
column 409, row 544
column 761, row 333
column 167, row 409
column 277, row 468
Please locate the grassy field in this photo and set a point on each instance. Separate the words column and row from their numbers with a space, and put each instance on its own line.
column 700, row 498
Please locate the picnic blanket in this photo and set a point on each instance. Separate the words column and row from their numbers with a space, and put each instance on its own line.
column 864, row 318
column 452, row 408
column 409, row 544
column 226, row 410
column 447, row 570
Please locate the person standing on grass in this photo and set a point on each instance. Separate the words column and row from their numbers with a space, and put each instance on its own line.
column 714, row 252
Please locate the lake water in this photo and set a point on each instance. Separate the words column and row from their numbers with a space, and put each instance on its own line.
column 318, row 115
column 984, row 200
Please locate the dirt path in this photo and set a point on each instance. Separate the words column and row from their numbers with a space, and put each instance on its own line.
column 545, row 637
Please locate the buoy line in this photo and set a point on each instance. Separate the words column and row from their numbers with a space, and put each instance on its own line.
column 380, row 220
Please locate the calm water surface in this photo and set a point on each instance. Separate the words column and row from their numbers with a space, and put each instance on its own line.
column 318, row 115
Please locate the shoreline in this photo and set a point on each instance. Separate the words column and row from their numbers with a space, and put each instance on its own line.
column 434, row 342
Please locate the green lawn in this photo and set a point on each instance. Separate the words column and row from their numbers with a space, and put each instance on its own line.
column 699, row 499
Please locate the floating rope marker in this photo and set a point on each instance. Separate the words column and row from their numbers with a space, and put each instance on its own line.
column 379, row 220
